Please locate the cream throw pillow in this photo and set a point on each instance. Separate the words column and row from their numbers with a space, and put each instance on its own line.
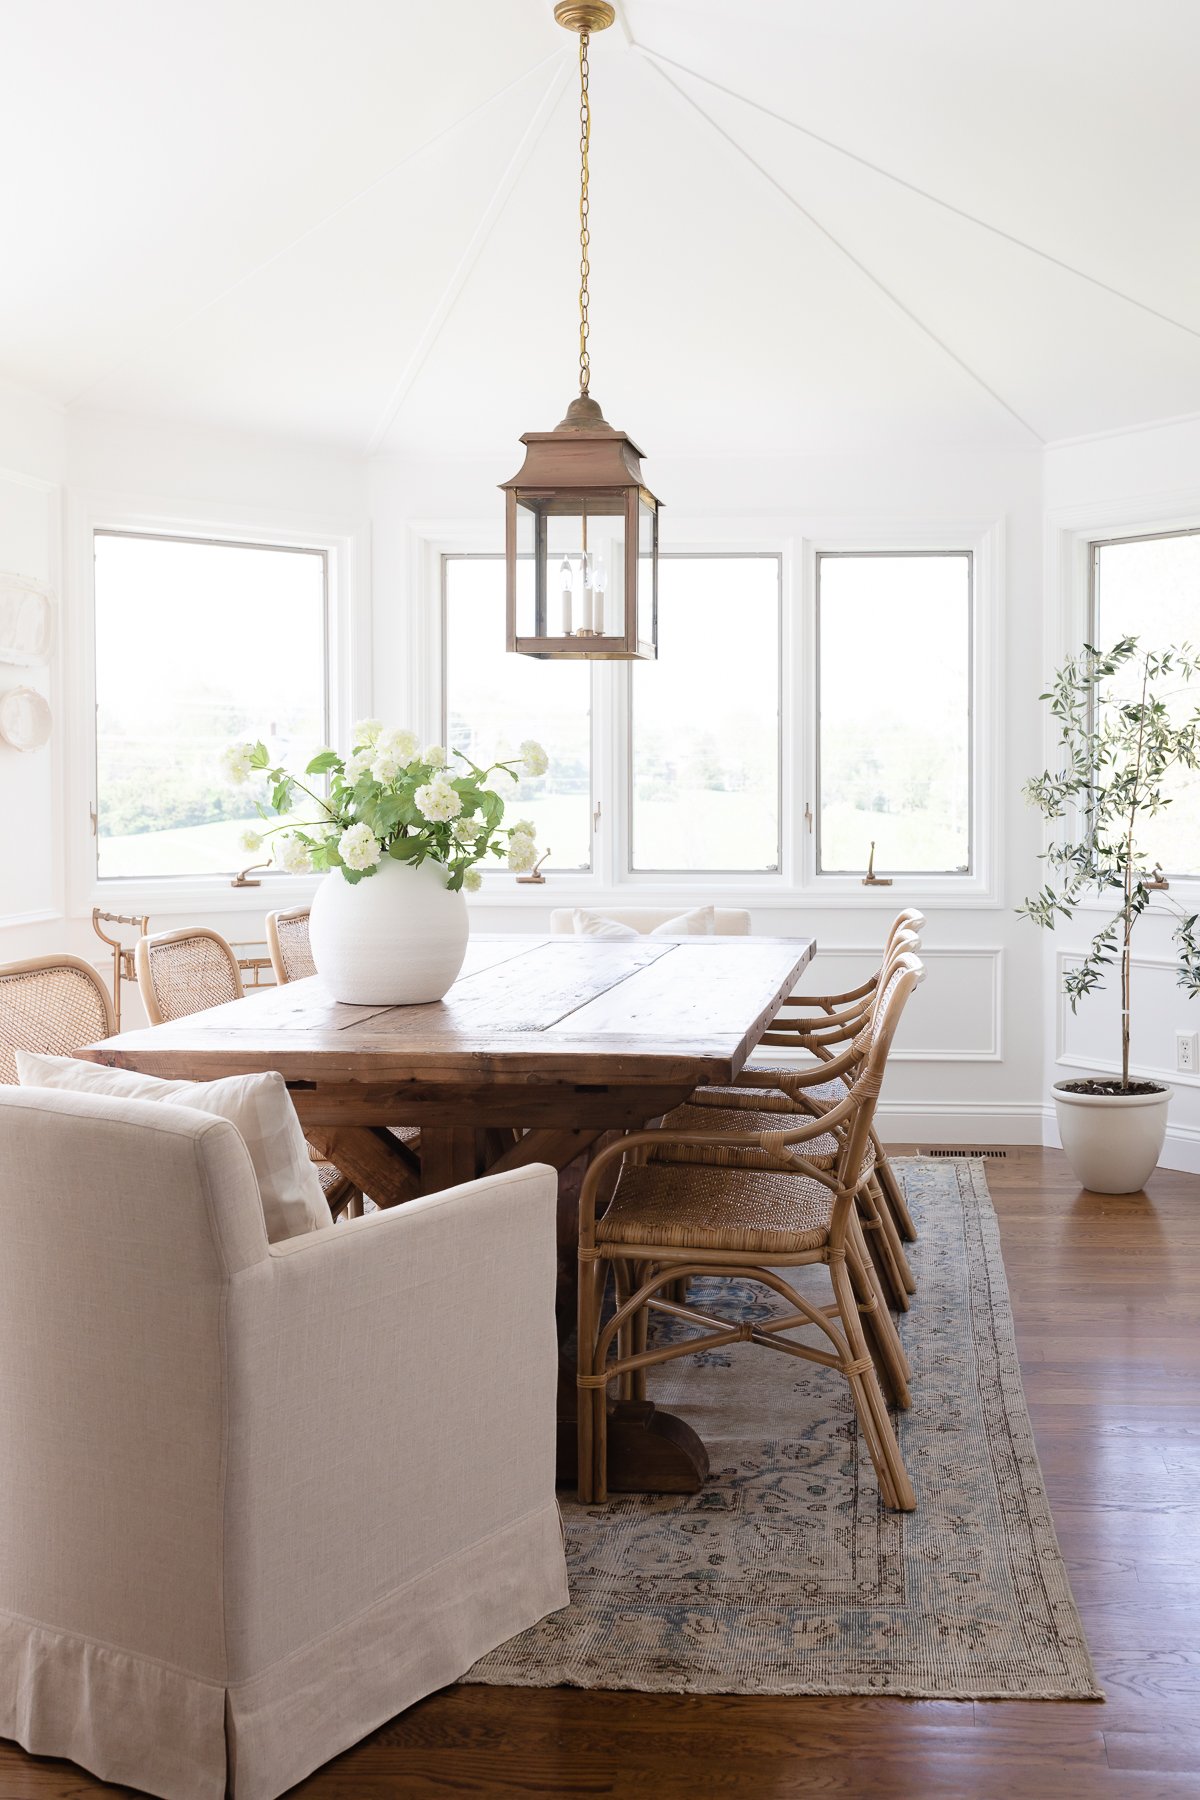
column 258, row 1105
column 595, row 925
column 700, row 922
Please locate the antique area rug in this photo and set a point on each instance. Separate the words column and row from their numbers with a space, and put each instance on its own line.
column 785, row 1575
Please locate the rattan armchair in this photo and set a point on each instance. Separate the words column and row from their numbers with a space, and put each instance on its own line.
column 668, row 1222
column 52, row 1005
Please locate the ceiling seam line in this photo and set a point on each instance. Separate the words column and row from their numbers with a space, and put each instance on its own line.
column 171, row 331
column 855, row 261
column 912, row 187
column 470, row 256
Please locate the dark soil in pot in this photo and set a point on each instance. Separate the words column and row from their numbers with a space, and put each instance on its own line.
column 1110, row 1086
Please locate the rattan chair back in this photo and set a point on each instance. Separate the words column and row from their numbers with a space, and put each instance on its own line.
column 53, row 1005
column 182, row 972
column 287, row 941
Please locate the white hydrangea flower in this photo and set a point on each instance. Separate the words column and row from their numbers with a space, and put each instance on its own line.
column 235, row 761
column 438, row 800
column 534, row 757
column 398, row 743
column 358, row 764
column 522, row 852
column 292, row 855
column 386, row 766
column 526, row 826
column 472, row 881
column 466, row 831
column 365, row 734
column 435, row 756
column 358, row 847
column 251, row 840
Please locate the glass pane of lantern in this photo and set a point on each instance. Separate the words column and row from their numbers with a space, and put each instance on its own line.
column 647, row 539
column 526, row 544
column 585, row 566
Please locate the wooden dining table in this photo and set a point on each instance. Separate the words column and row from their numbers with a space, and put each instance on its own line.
column 543, row 1046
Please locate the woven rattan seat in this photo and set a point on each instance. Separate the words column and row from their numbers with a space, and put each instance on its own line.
column 822, row 1150
column 50, row 1005
column 695, row 1207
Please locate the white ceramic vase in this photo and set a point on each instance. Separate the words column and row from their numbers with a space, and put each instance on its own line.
column 396, row 938
column 1112, row 1141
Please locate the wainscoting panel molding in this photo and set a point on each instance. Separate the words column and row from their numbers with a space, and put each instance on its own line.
column 958, row 1011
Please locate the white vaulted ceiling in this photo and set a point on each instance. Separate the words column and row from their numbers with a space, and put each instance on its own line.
column 814, row 227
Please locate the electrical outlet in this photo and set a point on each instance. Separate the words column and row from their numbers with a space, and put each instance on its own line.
column 1186, row 1060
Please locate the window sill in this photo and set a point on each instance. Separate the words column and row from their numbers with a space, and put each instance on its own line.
column 167, row 895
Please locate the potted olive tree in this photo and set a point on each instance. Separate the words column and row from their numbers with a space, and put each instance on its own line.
column 1126, row 721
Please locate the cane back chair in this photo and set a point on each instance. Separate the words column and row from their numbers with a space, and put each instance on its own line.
column 668, row 1222
column 287, row 942
column 52, row 1005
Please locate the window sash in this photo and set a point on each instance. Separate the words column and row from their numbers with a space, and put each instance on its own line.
column 583, row 871
column 269, row 545
column 630, row 773
column 877, row 553
column 1095, row 547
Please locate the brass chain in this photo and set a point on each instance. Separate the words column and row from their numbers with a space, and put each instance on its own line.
column 585, row 236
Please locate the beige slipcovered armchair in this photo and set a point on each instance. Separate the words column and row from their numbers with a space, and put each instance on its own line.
column 256, row 1498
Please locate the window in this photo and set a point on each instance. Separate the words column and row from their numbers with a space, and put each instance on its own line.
column 198, row 643
column 704, row 739
column 1149, row 588
column 894, row 711
column 494, row 700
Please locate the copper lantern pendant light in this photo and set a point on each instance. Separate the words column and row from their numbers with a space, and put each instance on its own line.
column 581, row 532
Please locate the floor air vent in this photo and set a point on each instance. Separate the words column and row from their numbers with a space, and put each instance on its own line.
column 964, row 1150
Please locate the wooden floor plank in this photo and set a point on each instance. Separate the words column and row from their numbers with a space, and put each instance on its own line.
column 1106, row 1295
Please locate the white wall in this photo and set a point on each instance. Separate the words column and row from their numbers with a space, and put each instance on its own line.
column 969, row 1065
column 31, row 473
column 1135, row 481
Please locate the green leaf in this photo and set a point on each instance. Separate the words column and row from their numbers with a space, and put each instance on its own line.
column 327, row 759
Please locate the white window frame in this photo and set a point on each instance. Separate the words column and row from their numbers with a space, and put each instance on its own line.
column 347, row 675
column 821, row 554
column 797, row 881
column 1070, row 533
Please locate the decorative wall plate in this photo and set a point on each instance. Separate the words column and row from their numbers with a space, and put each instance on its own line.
column 26, row 620
column 25, row 718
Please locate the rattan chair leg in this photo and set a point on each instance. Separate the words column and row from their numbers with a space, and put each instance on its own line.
column 894, row 1485
column 893, row 1193
column 623, row 1277
column 641, row 1333
column 888, row 1277
column 891, row 1236
column 589, row 1425
column 891, row 1364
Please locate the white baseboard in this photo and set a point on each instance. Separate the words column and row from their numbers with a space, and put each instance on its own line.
column 1007, row 1122
column 961, row 1122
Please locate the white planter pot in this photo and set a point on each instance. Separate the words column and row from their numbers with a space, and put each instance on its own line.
column 396, row 938
column 1112, row 1141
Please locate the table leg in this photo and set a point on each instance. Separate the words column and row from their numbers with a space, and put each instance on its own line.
column 373, row 1159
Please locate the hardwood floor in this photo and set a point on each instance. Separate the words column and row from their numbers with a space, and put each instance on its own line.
column 1106, row 1294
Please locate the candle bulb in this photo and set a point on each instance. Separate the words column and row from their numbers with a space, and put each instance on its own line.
column 599, row 582
column 587, row 592
column 567, row 584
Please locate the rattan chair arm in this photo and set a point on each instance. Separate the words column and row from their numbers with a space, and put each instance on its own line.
column 831, row 1002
